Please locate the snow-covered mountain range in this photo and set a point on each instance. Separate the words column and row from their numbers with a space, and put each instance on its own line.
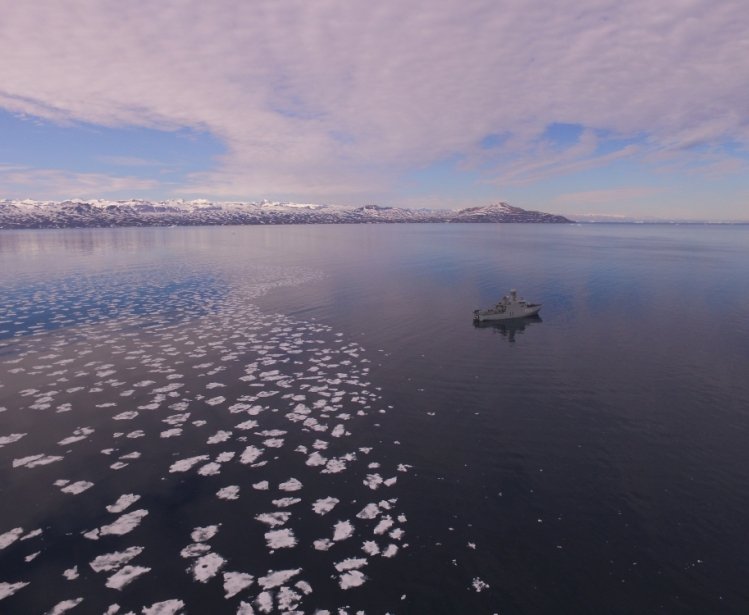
column 105, row 213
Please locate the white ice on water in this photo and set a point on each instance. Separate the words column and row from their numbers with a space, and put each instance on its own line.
column 302, row 383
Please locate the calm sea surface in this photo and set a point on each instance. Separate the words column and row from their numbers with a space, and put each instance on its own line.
column 305, row 417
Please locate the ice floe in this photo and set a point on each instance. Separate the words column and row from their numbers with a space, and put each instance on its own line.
column 479, row 585
column 167, row 607
column 33, row 461
column 64, row 606
column 273, row 519
column 122, row 525
column 123, row 502
column 265, row 398
column 126, row 575
column 235, row 582
column 280, row 539
column 202, row 534
column 10, row 439
column 113, row 561
column 8, row 589
column 77, row 487
column 185, row 464
column 352, row 578
column 342, row 530
column 9, row 537
column 277, row 578
column 231, row 492
column 207, row 566
column 290, row 485
column 324, row 505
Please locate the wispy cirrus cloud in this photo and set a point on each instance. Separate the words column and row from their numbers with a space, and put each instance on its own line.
column 130, row 161
column 605, row 197
column 339, row 99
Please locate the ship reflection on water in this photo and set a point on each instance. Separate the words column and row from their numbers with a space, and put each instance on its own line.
column 509, row 328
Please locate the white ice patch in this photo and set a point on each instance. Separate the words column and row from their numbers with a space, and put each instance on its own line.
column 170, row 387
column 384, row 525
column 10, row 537
column 64, row 606
column 183, row 465
column 210, row 469
column 123, row 502
column 126, row 416
column 123, row 525
column 228, row 493
column 79, row 434
column 125, row 576
column 112, row 561
column 167, row 607
column 33, row 461
column 290, row 485
column 370, row 511
column 235, row 582
column 245, row 609
column 263, row 485
column 324, row 505
column 225, row 456
column 334, row 466
column 8, row 589
column 71, row 574
column 280, row 539
column 370, row 547
column 215, row 401
column 479, row 585
column 250, row 454
column 277, row 578
column 373, row 481
column 390, row 551
column 286, row 502
column 316, row 459
column 194, row 550
column 201, row 534
column 10, row 439
column 219, row 436
column 207, row 566
column 31, row 534
column 77, row 487
column 273, row 519
column 264, row 602
column 342, row 530
column 350, row 579
column 351, row 563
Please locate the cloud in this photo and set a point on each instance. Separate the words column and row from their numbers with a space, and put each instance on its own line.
column 605, row 197
column 341, row 98
column 130, row 161
column 24, row 182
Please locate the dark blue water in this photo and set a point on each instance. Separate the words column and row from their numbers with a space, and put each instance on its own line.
column 593, row 460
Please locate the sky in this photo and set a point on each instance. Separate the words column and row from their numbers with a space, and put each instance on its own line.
column 635, row 108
